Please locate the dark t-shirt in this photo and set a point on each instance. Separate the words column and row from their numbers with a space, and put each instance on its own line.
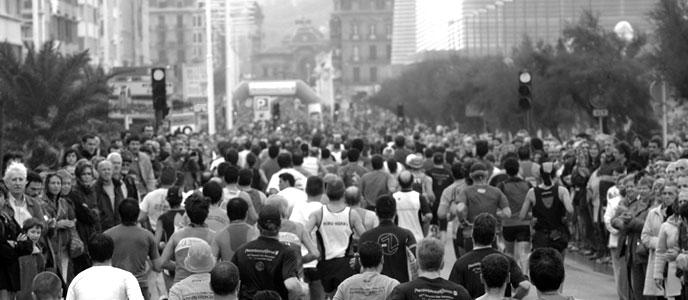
column 466, row 272
column 393, row 240
column 264, row 264
column 441, row 179
column 430, row 289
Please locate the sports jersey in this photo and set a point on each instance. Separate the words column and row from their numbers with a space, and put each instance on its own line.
column 335, row 232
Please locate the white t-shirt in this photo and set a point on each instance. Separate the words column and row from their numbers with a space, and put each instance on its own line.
column 196, row 286
column 155, row 204
column 104, row 283
column 300, row 214
column 293, row 197
column 310, row 164
column 298, row 177
column 366, row 286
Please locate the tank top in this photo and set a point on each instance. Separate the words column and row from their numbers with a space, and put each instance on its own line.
column 548, row 209
column 335, row 232
column 408, row 207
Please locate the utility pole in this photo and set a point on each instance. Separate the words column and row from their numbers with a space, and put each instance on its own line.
column 209, row 67
column 229, row 71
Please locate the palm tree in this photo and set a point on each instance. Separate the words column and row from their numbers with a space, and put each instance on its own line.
column 49, row 96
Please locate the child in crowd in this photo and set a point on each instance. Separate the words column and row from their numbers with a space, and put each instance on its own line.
column 34, row 263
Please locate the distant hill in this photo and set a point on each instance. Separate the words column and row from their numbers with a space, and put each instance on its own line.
column 281, row 14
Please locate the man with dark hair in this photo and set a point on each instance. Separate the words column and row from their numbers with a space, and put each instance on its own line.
column 293, row 195
column 134, row 246
column 225, row 281
column 285, row 163
column 231, row 191
column 527, row 168
column 430, row 284
column 301, row 212
column 400, row 150
column 352, row 172
column 335, row 224
column 270, row 166
column 479, row 198
column 449, row 195
column 46, row 286
column 516, row 232
column 88, row 147
column 376, row 182
column 197, row 208
column 246, row 185
column 441, row 179
column 547, row 271
column 266, row 263
column 494, row 274
column 34, row 185
column 236, row 234
column 369, row 284
column 393, row 239
column 217, row 217
column 411, row 205
column 102, row 280
column 466, row 270
column 141, row 166
column 154, row 204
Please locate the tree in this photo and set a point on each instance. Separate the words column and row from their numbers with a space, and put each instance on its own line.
column 670, row 56
column 51, row 96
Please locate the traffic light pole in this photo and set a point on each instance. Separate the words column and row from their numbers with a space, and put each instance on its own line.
column 158, row 120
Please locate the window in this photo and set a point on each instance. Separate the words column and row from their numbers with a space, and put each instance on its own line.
column 356, row 53
column 181, row 55
column 354, row 29
column 346, row 4
column 162, row 55
column 373, row 74
column 372, row 31
column 388, row 30
column 364, row 4
column 161, row 20
column 380, row 4
column 357, row 74
column 389, row 51
column 180, row 20
column 373, row 52
column 180, row 37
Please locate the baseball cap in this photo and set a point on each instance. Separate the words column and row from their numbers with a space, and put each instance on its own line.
column 270, row 218
column 478, row 166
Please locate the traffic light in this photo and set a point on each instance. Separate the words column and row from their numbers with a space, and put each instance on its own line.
column 159, row 89
column 400, row 112
column 525, row 90
column 276, row 111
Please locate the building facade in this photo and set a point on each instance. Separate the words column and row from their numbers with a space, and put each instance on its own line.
column 10, row 24
column 488, row 27
column 51, row 20
column 361, row 41
column 125, row 28
column 177, row 32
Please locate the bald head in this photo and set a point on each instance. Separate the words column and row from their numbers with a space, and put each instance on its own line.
column 405, row 179
column 352, row 196
column 280, row 202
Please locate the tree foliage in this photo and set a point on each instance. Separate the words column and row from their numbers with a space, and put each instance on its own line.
column 670, row 18
column 50, row 96
column 587, row 63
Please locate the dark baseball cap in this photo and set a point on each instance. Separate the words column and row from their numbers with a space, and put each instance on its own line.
column 270, row 218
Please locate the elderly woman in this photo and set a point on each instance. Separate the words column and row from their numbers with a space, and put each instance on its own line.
column 13, row 244
column 650, row 234
column 57, row 207
column 664, row 270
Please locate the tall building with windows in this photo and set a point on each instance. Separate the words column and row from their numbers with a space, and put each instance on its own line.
column 177, row 32
column 487, row 27
column 10, row 23
column 51, row 20
column 361, row 40
column 125, row 28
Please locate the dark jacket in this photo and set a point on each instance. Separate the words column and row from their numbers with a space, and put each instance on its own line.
column 86, row 210
column 9, row 256
column 109, row 215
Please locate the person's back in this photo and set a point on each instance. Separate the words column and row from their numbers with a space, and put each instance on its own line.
column 236, row 234
column 369, row 284
column 217, row 217
column 376, row 182
column 411, row 205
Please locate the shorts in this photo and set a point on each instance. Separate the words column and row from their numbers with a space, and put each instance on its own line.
column 519, row 233
column 310, row 274
column 333, row 272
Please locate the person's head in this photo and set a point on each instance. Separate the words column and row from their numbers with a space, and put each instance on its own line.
column 284, row 160
column 478, row 172
column 105, row 170
column 405, row 179
column 101, row 247
column 197, row 208
column 438, row 159
column 352, row 196
column 237, row 209
column 430, row 255
column 116, row 160
column 224, row 279
column 386, row 207
column 167, row 176
column 46, row 286
column 546, row 269
column 269, row 220
column 523, row 153
column 134, row 144
column 457, row 170
column 400, row 141
column 232, row 156
column 622, row 151
column 34, row 184
column 670, row 194
column 33, row 228
column 548, row 173
column 273, row 151
column 89, row 143
column 267, row 295
column 377, row 162
column 245, row 177
column 213, row 190
column 15, row 178
column 314, row 186
column 484, row 229
column 392, row 165
column 482, row 147
column 70, row 157
column 174, row 196
column 286, row 180
column 129, row 211
column 66, row 181
column 511, row 166
column 494, row 271
column 53, row 184
column 335, row 189
column 353, row 154
column 370, row 255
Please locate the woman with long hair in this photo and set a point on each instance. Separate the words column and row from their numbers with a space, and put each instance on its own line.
column 86, row 211
column 58, row 208
column 595, row 156
column 656, row 217
column 69, row 159
column 192, row 168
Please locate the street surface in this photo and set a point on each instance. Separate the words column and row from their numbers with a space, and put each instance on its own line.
column 581, row 281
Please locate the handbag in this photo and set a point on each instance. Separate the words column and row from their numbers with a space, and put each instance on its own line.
column 76, row 245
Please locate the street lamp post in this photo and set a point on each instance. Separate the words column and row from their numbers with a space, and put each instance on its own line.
column 209, row 67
